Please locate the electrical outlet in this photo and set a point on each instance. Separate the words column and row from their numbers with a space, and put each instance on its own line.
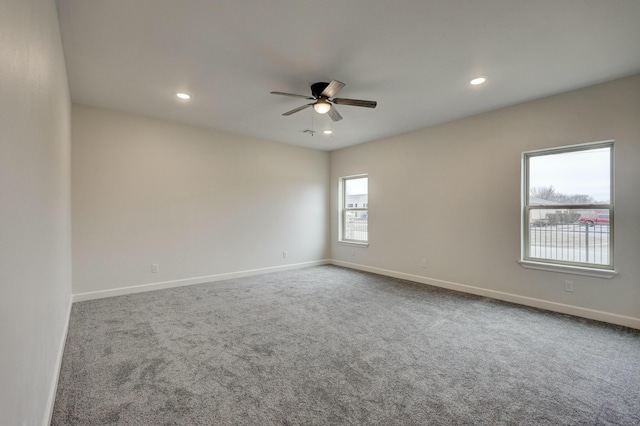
column 423, row 263
column 285, row 254
column 155, row 268
column 568, row 286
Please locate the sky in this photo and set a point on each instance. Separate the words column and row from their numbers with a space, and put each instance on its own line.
column 578, row 172
column 357, row 186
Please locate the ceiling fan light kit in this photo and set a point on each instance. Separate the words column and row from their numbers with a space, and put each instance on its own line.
column 322, row 106
column 323, row 95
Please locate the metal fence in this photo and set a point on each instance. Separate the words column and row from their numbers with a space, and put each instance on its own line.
column 356, row 229
column 575, row 242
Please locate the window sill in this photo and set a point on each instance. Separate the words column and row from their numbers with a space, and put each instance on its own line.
column 353, row 243
column 567, row 269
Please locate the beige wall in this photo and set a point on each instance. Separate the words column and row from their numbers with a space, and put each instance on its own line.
column 200, row 202
column 451, row 194
column 35, row 215
column 195, row 201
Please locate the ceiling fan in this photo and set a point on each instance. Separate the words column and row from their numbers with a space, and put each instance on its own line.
column 323, row 95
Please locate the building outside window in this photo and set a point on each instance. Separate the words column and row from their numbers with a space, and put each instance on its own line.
column 354, row 220
column 568, row 203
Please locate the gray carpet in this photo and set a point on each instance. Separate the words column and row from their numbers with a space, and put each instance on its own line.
column 333, row 346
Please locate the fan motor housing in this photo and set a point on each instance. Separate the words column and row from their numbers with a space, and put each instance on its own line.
column 318, row 88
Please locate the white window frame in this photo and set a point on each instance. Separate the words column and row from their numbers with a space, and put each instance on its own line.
column 343, row 209
column 527, row 261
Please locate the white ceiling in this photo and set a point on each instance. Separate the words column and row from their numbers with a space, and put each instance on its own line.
column 415, row 57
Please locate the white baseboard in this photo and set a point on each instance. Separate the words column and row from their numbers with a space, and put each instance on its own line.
column 507, row 297
column 499, row 295
column 51, row 400
column 190, row 281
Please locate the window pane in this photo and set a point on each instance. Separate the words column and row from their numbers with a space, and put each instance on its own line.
column 572, row 235
column 356, row 191
column 577, row 177
column 356, row 226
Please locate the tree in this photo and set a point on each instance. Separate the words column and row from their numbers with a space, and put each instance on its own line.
column 549, row 193
column 544, row 193
column 578, row 199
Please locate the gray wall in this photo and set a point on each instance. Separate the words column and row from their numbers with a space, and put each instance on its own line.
column 450, row 194
column 35, row 216
column 195, row 201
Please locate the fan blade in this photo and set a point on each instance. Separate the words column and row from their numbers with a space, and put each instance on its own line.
column 293, row 111
column 332, row 89
column 294, row 95
column 334, row 114
column 355, row 102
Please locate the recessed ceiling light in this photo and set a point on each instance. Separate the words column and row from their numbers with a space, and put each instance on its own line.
column 327, row 132
column 478, row 80
column 183, row 96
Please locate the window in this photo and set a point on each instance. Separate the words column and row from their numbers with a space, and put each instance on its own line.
column 354, row 192
column 567, row 213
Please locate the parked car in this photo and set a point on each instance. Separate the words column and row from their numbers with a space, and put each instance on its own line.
column 600, row 219
column 540, row 223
